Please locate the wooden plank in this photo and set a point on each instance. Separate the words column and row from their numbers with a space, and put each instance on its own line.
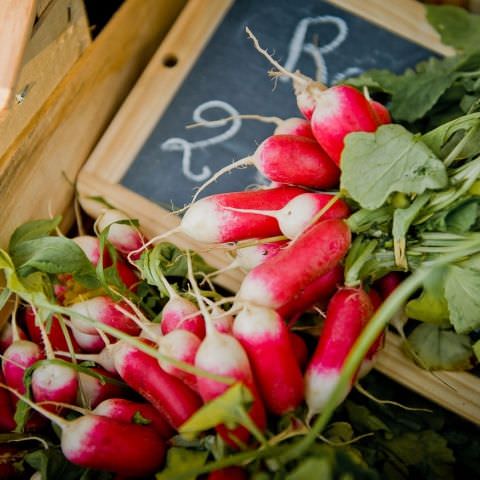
column 407, row 19
column 16, row 18
column 42, row 5
column 183, row 44
column 455, row 391
column 62, row 133
column 59, row 37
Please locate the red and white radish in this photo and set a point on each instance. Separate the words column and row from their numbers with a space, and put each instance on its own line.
column 88, row 343
column 340, row 110
column 95, row 390
column 126, row 411
column 181, row 345
column 125, row 237
column 299, row 348
column 210, row 221
column 265, row 337
column 102, row 443
column 254, row 255
column 382, row 115
column 104, row 358
column 348, row 312
column 299, row 212
column 102, row 309
column 166, row 393
column 19, row 356
column 6, row 336
column 315, row 292
column 276, row 281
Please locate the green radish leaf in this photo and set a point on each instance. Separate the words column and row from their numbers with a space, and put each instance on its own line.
column 312, row 467
column 33, row 230
column 363, row 419
column 181, row 460
column 4, row 296
column 226, row 409
column 456, row 26
column 339, row 432
column 375, row 165
column 53, row 255
column 462, row 218
column 439, row 349
column 444, row 138
column 461, row 291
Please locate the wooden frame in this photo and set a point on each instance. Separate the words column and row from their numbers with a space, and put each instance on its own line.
column 129, row 130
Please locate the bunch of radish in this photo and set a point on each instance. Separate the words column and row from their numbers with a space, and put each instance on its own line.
column 291, row 239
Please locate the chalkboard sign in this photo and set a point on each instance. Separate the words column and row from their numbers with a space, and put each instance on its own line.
column 230, row 77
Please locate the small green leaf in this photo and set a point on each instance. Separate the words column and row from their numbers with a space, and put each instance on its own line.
column 375, row 165
column 440, row 349
column 226, row 409
column 462, row 218
column 139, row 419
column 363, row 419
column 461, row 291
column 181, row 460
column 456, row 26
column 339, row 432
column 4, row 296
column 33, row 230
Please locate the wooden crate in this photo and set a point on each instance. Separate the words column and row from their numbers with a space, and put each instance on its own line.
column 111, row 158
column 60, row 35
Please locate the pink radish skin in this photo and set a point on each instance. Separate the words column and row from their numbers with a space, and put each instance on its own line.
column 53, row 382
column 222, row 354
column 228, row 473
column 125, row 238
column 169, row 395
column 388, row 283
column 276, row 281
column 7, row 422
column 103, row 309
column 20, row 355
column 96, row 391
column 104, row 358
column 296, row 160
column 180, row 313
column 251, row 257
column 295, row 126
column 91, row 247
column 99, row 442
column 382, row 115
column 180, row 345
column 348, row 312
column 6, row 336
column 264, row 336
column 299, row 348
column 315, row 292
column 221, row 320
column 208, row 219
column 125, row 411
column 340, row 110
column 299, row 212
column 55, row 335
column 88, row 343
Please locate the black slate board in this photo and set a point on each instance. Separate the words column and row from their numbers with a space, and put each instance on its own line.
column 230, row 70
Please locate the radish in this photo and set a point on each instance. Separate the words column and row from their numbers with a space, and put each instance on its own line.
column 94, row 390
column 102, row 309
column 252, row 256
column 125, row 237
column 91, row 247
column 169, row 395
column 210, row 221
column 221, row 354
column 180, row 345
column 348, row 312
column 299, row 348
column 180, row 313
column 265, row 338
column 126, row 411
column 88, row 343
column 315, row 292
column 276, row 281
column 6, row 336
column 381, row 113
column 340, row 110
column 229, row 473
column 299, row 212
column 104, row 358
column 7, row 422
column 55, row 335
column 102, row 443
column 289, row 159
column 19, row 356
column 388, row 283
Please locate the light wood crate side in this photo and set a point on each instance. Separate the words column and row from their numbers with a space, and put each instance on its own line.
column 58, row 39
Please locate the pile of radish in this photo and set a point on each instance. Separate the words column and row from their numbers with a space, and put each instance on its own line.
column 126, row 350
